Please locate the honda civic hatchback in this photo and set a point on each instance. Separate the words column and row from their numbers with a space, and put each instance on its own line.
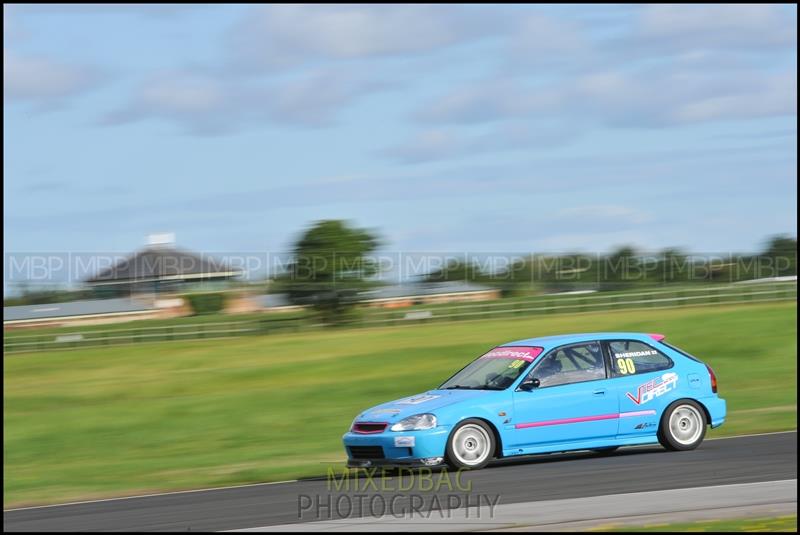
column 596, row 391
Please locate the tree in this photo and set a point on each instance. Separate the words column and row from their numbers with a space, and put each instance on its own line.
column 455, row 270
column 330, row 264
column 673, row 266
column 782, row 254
column 621, row 267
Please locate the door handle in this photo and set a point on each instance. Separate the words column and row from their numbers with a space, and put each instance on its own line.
column 599, row 392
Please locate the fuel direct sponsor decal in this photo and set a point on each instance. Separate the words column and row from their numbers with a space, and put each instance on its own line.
column 516, row 353
column 417, row 400
column 385, row 411
column 654, row 388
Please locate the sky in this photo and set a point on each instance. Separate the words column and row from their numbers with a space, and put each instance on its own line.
column 444, row 128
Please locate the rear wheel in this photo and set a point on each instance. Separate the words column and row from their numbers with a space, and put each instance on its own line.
column 471, row 445
column 683, row 426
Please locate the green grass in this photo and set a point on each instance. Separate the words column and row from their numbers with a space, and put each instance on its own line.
column 778, row 523
column 175, row 415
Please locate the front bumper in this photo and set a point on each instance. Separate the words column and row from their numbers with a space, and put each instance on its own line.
column 397, row 448
column 429, row 462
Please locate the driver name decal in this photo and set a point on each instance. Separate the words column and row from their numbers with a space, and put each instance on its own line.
column 629, row 354
column 654, row 388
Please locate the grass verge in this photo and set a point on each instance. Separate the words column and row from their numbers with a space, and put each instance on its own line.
column 772, row 524
column 176, row 415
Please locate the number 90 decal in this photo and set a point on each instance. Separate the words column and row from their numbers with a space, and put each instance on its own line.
column 626, row 366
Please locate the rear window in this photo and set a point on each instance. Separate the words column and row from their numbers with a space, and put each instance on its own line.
column 631, row 357
column 682, row 352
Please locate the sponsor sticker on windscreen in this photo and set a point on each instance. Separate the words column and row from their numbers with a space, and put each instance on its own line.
column 514, row 352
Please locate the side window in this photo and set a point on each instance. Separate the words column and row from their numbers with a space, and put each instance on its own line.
column 571, row 364
column 629, row 357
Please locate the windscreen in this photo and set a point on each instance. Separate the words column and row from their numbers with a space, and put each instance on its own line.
column 496, row 370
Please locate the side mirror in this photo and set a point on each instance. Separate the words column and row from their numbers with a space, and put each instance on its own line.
column 529, row 384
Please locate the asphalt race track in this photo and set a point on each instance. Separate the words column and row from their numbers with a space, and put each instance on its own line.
column 758, row 458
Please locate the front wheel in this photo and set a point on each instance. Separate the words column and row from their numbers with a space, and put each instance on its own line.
column 683, row 426
column 471, row 445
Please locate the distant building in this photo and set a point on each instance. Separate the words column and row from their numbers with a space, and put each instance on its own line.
column 275, row 302
column 400, row 295
column 91, row 312
column 403, row 295
column 162, row 268
column 137, row 287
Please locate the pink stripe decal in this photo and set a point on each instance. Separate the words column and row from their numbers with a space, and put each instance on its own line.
column 584, row 419
column 568, row 420
column 636, row 413
column 656, row 336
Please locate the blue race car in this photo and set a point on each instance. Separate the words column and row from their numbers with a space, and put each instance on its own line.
column 596, row 391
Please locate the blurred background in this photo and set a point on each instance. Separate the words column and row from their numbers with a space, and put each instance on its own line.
column 224, row 222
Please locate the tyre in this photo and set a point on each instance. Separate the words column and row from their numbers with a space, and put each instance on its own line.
column 683, row 426
column 471, row 445
column 606, row 451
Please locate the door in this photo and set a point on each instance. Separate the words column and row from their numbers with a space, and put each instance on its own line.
column 644, row 380
column 574, row 399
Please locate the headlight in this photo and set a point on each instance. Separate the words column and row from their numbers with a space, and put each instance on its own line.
column 417, row 422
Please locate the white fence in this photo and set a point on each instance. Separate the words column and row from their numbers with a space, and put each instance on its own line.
column 544, row 305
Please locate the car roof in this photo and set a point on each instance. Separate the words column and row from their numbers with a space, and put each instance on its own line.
column 548, row 342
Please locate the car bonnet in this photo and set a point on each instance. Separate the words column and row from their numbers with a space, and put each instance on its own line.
column 429, row 401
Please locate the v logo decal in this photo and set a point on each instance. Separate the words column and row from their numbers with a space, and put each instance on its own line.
column 638, row 398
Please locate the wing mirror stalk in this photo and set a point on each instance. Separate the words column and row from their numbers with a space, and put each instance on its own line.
column 529, row 384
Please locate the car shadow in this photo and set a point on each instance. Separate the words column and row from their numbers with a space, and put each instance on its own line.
column 516, row 460
column 541, row 458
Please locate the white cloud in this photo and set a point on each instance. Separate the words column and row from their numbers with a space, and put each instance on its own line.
column 651, row 97
column 771, row 96
column 428, row 145
column 206, row 105
column 316, row 98
column 182, row 95
column 537, row 39
column 42, row 80
column 122, row 9
column 288, row 35
column 731, row 25
column 444, row 143
column 38, row 80
column 486, row 101
column 608, row 213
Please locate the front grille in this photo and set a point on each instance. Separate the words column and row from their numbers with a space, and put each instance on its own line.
column 366, row 452
column 369, row 427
